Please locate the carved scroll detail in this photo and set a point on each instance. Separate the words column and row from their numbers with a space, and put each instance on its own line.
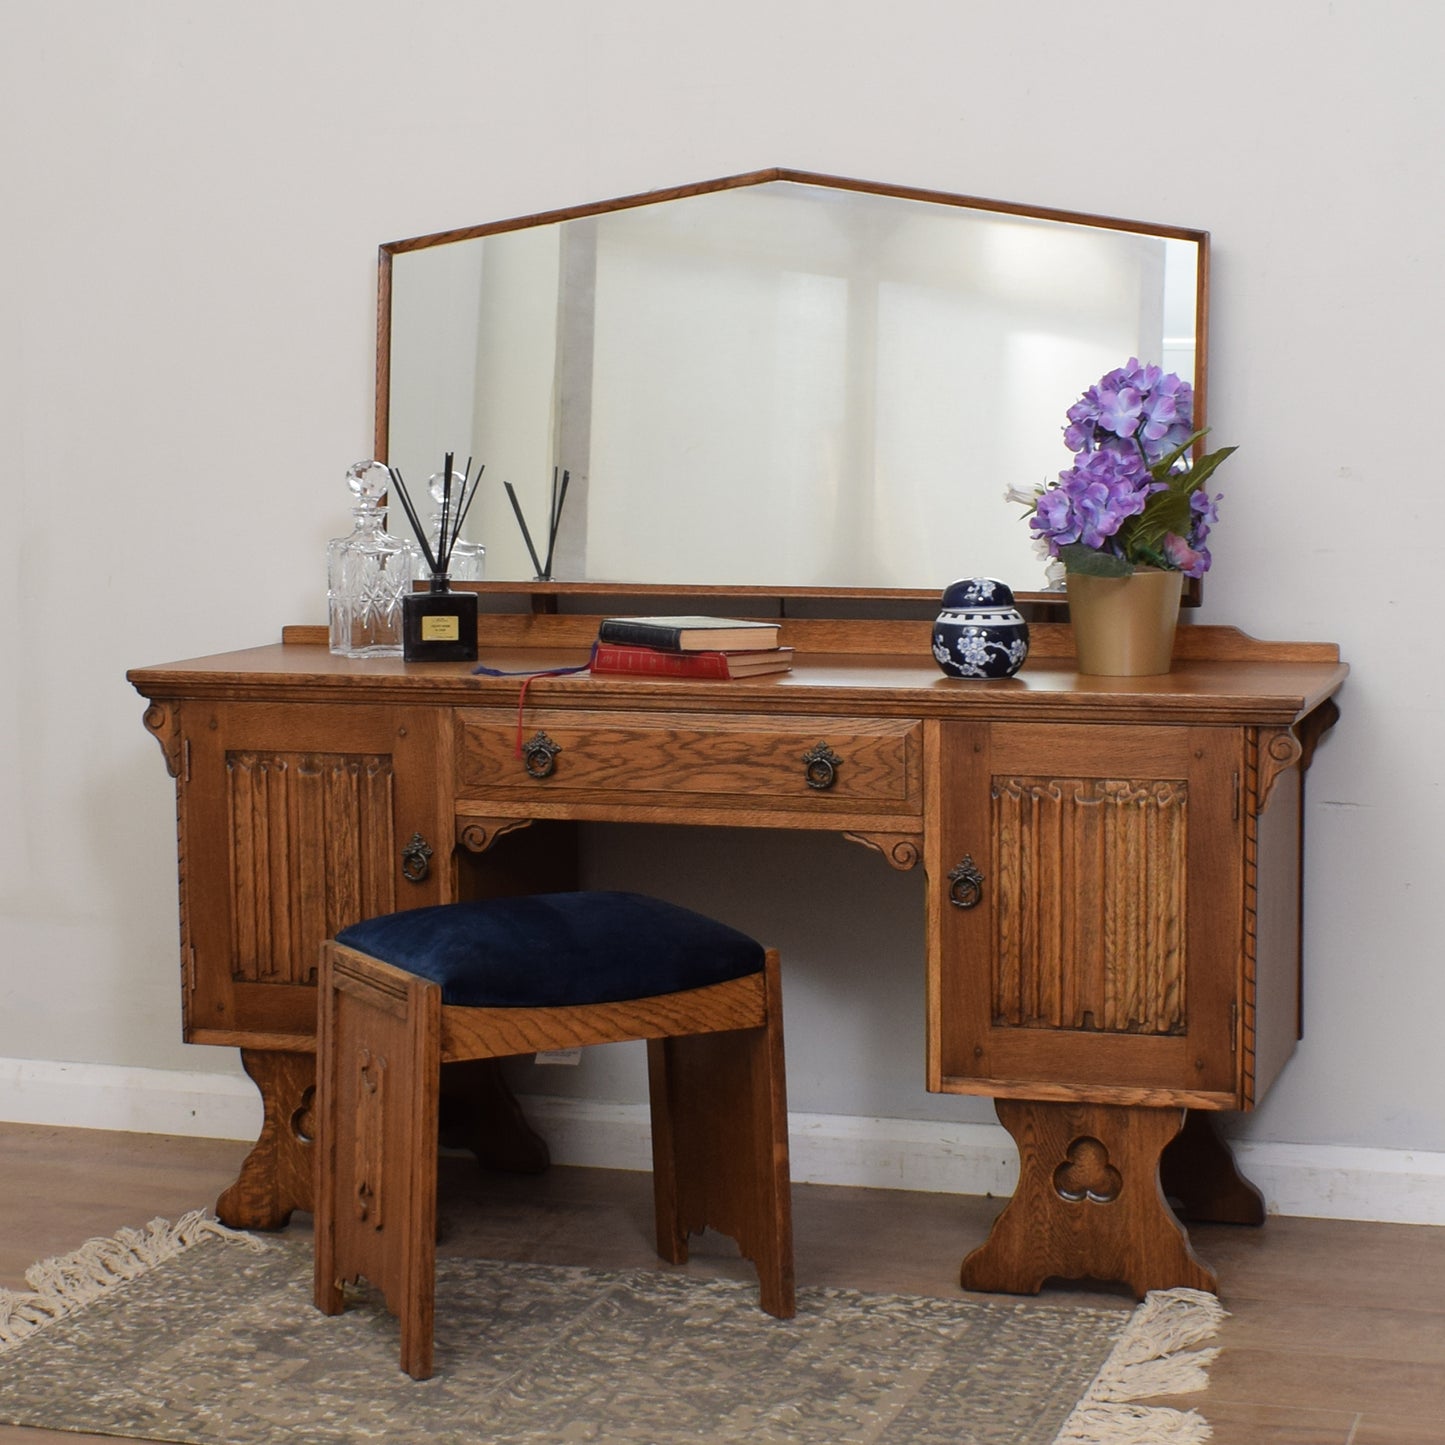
column 476, row 835
column 1279, row 750
column 164, row 725
column 1089, row 900
column 902, row 850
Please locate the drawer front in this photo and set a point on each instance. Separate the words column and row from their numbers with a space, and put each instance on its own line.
column 807, row 762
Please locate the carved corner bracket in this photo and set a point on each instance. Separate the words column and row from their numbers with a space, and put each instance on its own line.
column 1283, row 748
column 164, row 725
column 902, row 850
column 476, row 835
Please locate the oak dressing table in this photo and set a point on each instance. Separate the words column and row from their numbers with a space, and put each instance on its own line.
column 1113, row 870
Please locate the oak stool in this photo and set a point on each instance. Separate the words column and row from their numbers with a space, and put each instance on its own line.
column 403, row 993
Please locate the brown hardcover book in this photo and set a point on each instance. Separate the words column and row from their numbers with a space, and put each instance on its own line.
column 689, row 634
column 657, row 662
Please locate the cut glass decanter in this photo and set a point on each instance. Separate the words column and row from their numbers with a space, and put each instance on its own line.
column 367, row 573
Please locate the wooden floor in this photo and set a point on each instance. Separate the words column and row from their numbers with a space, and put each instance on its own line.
column 1336, row 1335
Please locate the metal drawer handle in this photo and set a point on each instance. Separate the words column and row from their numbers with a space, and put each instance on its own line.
column 821, row 766
column 965, row 884
column 539, row 756
column 416, row 859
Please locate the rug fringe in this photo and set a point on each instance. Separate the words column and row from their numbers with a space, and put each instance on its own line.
column 1152, row 1357
column 61, row 1286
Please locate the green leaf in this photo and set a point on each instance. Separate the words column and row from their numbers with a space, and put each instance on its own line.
column 1161, row 469
column 1078, row 558
column 1201, row 471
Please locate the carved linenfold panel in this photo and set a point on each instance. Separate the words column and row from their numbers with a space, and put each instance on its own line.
column 371, row 1102
column 1090, row 904
column 312, row 850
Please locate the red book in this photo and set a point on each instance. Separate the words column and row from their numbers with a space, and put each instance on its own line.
column 654, row 662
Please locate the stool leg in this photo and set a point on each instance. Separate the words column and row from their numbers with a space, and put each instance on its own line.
column 379, row 1033
column 720, row 1145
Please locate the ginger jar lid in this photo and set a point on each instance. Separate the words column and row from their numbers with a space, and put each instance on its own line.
column 978, row 594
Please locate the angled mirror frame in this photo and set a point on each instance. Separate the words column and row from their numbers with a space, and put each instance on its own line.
column 779, row 382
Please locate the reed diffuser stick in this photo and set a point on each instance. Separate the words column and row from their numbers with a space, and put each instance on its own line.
column 444, row 548
column 411, row 517
column 558, row 499
column 522, row 523
column 466, row 503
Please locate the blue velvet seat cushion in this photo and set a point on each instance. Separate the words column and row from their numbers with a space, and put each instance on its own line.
column 553, row 949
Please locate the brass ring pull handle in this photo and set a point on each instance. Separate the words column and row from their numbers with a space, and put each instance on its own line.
column 539, row 756
column 821, row 766
column 416, row 859
column 965, row 884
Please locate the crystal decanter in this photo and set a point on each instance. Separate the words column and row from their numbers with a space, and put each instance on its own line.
column 367, row 573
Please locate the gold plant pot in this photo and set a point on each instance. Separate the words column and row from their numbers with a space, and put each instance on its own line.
column 1124, row 626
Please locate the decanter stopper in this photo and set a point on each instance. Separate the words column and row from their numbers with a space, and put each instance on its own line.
column 468, row 559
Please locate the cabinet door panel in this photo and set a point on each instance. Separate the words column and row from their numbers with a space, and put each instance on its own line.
column 293, row 822
column 1104, row 950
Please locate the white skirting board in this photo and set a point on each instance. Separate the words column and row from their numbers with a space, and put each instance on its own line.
column 1315, row 1180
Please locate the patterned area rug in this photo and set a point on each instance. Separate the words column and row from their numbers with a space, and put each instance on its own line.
column 190, row 1332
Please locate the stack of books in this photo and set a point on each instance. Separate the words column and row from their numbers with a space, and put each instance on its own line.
column 721, row 647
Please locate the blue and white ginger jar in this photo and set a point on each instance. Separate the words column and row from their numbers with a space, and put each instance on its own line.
column 980, row 632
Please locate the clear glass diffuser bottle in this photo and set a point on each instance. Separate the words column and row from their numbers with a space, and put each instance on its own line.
column 367, row 573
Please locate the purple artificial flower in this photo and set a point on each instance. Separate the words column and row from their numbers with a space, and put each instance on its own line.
column 1128, row 433
column 1132, row 406
column 1204, row 512
column 1093, row 499
column 1168, row 411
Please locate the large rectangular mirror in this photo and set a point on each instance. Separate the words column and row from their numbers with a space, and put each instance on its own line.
column 777, row 380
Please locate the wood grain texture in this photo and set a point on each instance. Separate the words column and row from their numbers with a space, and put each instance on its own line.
column 277, row 1176
column 312, row 850
column 749, row 760
column 1091, row 880
column 1088, row 1203
column 1103, row 957
column 1136, row 938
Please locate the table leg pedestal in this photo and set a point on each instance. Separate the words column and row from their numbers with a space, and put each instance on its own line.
column 480, row 1113
column 276, row 1176
column 1088, row 1203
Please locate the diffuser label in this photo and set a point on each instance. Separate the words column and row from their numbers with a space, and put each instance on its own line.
column 441, row 629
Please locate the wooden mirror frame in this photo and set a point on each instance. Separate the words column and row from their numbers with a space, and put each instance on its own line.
column 546, row 596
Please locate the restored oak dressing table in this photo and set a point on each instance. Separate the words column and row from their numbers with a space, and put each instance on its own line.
column 779, row 392
column 1113, row 870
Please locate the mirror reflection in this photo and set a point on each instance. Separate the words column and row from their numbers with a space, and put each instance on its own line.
column 789, row 383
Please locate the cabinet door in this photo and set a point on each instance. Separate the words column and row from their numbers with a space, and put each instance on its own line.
column 1086, row 913
column 294, row 822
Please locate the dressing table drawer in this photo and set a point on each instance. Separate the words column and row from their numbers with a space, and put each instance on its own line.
column 852, row 764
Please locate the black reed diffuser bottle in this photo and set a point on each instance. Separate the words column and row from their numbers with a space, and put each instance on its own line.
column 440, row 625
